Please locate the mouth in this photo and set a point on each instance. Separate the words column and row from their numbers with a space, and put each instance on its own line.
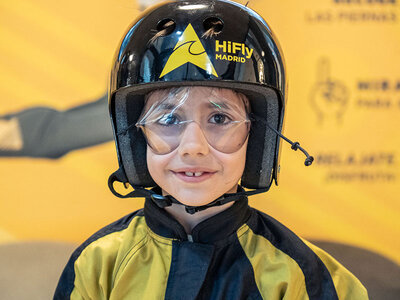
column 193, row 175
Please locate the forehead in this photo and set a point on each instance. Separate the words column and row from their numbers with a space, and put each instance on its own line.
column 196, row 95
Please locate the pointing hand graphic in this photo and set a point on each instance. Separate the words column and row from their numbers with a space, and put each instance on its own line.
column 328, row 97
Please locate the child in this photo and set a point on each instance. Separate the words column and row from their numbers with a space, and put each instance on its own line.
column 197, row 98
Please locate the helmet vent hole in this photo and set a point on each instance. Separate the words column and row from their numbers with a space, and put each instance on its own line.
column 164, row 27
column 212, row 26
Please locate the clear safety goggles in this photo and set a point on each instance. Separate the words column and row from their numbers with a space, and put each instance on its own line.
column 221, row 115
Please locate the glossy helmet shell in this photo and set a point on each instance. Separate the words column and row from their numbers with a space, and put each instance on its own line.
column 244, row 56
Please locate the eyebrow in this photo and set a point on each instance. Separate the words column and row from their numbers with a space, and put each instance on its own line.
column 169, row 106
column 212, row 104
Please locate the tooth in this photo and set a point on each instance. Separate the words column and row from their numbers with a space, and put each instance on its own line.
column 198, row 174
column 189, row 174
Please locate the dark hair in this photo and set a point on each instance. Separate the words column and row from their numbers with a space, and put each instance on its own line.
column 213, row 27
column 164, row 28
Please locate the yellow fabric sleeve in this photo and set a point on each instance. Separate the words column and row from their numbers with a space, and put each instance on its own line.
column 276, row 274
column 129, row 264
column 348, row 287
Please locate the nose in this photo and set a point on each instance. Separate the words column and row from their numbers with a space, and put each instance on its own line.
column 193, row 141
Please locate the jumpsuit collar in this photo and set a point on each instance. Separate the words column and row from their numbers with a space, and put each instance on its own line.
column 209, row 231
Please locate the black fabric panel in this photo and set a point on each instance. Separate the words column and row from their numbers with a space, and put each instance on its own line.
column 231, row 275
column 223, row 224
column 188, row 270
column 131, row 145
column 134, row 106
column 208, row 231
column 262, row 146
column 318, row 281
column 161, row 222
column 255, row 148
column 67, row 279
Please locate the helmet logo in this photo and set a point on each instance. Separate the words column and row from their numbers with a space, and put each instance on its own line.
column 189, row 49
column 232, row 51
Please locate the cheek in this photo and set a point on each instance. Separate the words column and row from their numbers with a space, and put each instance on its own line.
column 234, row 164
column 238, row 163
column 155, row 164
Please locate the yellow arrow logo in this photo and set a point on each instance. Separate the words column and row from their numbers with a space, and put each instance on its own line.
column 189, row 50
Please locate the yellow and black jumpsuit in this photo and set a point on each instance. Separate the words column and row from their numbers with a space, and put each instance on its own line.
column 240, row 253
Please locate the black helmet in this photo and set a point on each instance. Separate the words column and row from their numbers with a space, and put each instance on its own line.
column 170, row 45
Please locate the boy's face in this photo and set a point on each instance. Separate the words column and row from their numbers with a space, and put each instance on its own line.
column 194, row 172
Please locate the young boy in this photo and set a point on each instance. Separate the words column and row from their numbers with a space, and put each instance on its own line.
column 197, row 98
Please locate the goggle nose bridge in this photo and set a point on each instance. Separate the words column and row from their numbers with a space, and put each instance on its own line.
column 185, row 124
column 202, row 141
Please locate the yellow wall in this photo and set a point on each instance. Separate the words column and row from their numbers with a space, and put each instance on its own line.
column 59, row 53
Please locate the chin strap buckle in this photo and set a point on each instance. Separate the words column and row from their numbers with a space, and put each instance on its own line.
column 191, row 210
column 161, row 201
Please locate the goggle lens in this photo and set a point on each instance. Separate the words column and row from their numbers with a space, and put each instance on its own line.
column 220, row 113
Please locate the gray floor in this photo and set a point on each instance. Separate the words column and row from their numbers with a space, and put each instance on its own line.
column 31, row 270
column 379, row 275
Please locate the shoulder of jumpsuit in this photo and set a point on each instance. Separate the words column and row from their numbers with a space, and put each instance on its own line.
column 111, row 244
column 264, row 236
column 104, row 252
column 347, row 285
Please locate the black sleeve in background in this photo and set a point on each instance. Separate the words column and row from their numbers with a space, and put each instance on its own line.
column 48, row 133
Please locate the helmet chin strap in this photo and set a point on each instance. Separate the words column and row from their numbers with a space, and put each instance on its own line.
column 164, row 201
column 225, row 198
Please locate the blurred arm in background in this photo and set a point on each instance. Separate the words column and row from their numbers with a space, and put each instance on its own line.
column 44, row 132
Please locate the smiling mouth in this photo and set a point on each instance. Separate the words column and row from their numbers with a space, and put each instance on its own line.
column 194, row 177
column 195, row 174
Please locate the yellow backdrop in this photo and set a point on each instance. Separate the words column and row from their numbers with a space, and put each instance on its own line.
column 343, row 62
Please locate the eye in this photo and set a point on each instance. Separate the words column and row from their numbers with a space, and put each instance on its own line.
column 219, row 119
column 168, row 119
